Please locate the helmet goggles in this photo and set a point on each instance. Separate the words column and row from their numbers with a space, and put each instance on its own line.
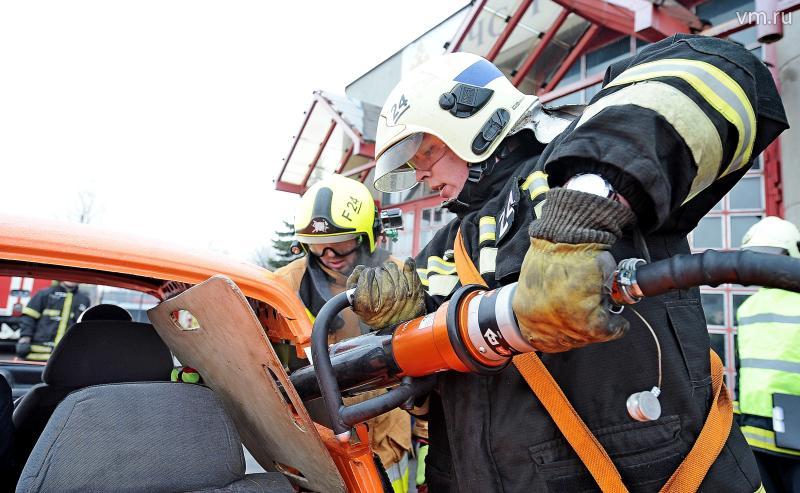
column 319, row 250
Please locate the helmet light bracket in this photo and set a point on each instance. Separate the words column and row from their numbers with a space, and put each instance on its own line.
column 464, row 100
column 490, row 131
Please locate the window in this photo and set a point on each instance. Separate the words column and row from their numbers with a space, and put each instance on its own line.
column 714, row 308
column 433, row 219
column 404, row 246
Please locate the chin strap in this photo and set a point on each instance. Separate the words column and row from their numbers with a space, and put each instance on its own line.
column 477, row 171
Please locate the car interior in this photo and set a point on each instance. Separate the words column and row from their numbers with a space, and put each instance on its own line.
column 105, row 413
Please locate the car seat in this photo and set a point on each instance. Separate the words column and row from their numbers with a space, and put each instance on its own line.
column 153, row 436
column 91, row 353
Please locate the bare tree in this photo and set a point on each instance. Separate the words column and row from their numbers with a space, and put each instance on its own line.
column 261, row 257
column 84, row 211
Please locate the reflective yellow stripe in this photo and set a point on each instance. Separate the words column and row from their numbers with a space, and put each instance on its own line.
column 39, row 348
column 764, row 439
column 439, row 265
column 65, row 312
column 51, row 312
column 37, row 356
column 761, row 489
column 537, row 183
column 31, row 313
column 686, row 117
column 398, row 474
column 487, row 229
column 719, row 89
column 423, row 276
column 310, row 315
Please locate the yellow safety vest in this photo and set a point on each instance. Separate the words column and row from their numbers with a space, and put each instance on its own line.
column 769, row 355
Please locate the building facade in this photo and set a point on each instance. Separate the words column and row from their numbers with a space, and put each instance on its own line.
column 559, row 49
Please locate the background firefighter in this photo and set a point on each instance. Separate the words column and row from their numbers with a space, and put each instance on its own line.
column 670, row 133
column 768, row 341
column 338, row 228
column 46, row 318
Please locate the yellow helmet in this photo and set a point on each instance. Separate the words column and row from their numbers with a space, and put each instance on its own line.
column 772, row 235
column 336, row 209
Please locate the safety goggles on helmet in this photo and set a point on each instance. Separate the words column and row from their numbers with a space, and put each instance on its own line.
column 319, row 250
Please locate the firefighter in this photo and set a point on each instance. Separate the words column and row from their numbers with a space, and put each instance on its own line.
column 338, row 228
column 671, row 131
column 46, row 318
column 768, row 335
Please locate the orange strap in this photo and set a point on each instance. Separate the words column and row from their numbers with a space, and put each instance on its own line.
column 695, row 466
column 465, row 268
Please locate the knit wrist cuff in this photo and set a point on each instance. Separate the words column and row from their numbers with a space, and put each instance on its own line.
column 571, row 216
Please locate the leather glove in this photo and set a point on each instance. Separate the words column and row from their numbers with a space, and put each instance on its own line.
column 562, row 300
column 386, row 295
column 23, row 346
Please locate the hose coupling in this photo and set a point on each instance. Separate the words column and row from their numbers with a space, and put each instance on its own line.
column 625, row 290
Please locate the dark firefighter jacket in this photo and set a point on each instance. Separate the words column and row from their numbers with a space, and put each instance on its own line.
column 49, row 313
column 673, row 129
column 390, row 433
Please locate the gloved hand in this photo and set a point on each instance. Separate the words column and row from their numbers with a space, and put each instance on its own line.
column 562, row 300
column 385, row 295
column 23, row 346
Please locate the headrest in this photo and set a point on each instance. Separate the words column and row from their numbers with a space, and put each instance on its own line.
column 98, row 352
column 154, row 436
column 105, row 311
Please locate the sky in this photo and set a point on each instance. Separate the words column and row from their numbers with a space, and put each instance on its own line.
column 175, row 115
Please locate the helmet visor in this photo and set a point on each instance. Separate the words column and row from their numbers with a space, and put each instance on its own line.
column 393, row 173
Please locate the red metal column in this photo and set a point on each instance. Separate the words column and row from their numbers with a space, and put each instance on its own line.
column 773, row 179
column 534, row 55
column 472, row 17
column 512, row 24
column 346, row 157
column 576, row 52
column 313, row 164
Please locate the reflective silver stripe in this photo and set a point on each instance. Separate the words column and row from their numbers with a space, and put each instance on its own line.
column 423, row 276
column 536, row 182
column 487, row 261
column 538, row 208
column 770, row 364
column 686, row 117
column 769, row 318
column 487, row 229
column 441, row 266
column 399, row 470
column 713, row 85
column 441, row 285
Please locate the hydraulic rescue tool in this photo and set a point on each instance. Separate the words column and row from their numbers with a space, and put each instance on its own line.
column 476, row 331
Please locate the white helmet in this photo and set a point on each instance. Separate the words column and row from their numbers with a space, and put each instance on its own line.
column 466, row 102
column 773, row 235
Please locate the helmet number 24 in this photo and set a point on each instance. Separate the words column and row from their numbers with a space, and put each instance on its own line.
column 399, row 108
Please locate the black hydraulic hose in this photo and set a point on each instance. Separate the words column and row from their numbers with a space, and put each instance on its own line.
column 344, row 417
column 712, row 268
column 365, row 360
column 326, row 379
